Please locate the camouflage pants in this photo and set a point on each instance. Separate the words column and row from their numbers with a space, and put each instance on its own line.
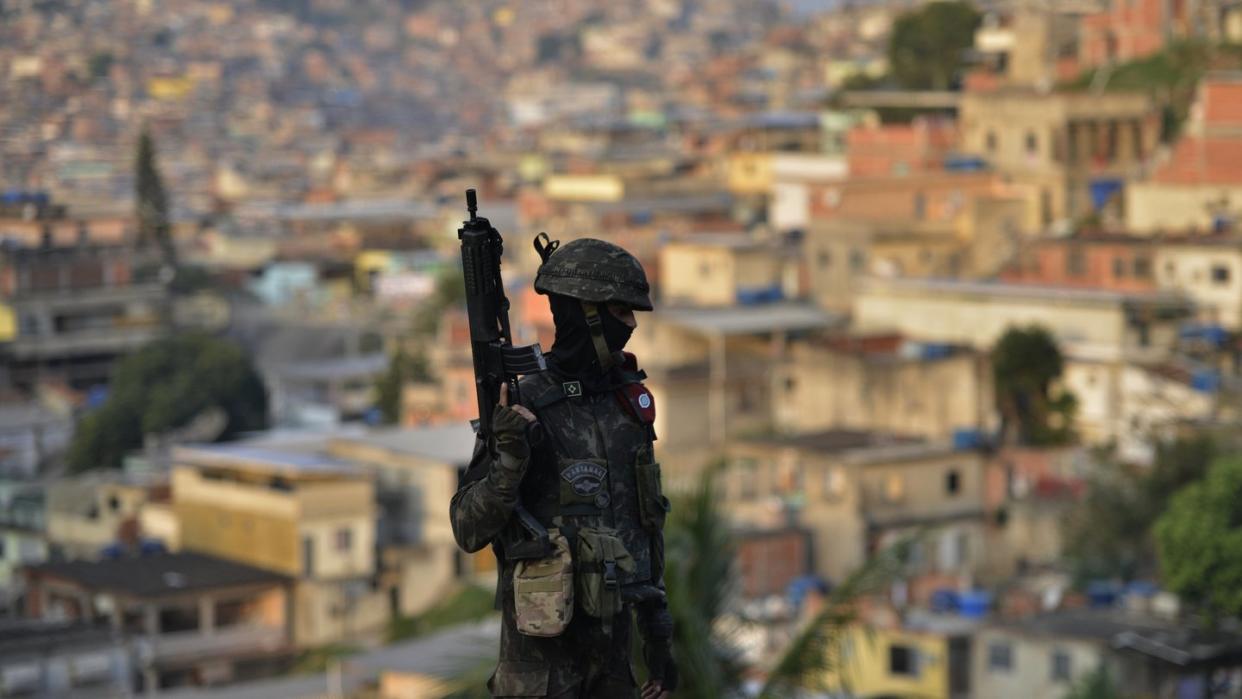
column 580, row 663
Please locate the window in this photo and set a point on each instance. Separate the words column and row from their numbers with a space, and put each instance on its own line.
column 308, row 556
column 1220, row 275
column 1142, row 268
column 1061, row 666
column 952, row 482
column 894, row 487
column 990, row 141
column 114, row 503
column 1000, row 656
column 791, row 384
column 902, row 660
column 344, row 539
column 1076, row 263
column 747, row 479
column 834, row 482
column 824, row 258
column 920, row 206
column 1119, row 268
column 705, row 270
column 1032, row 143
column 857, row 260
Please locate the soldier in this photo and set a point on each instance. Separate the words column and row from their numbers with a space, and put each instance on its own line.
column 576, row 456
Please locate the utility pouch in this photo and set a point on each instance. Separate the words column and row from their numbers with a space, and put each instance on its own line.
column 601, row 559
column 543, row 590
column 652, row 505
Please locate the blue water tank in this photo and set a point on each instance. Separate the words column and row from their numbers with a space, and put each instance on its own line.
column 1205, row 381
column 1102, row 593
column 968, row 438
column 151, row 547
column 974, row 604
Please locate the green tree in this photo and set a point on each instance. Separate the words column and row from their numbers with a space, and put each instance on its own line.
column 927, row 45
column 388, row 387
column 1199, row 539
column 1108, row 534
column 698, row 575
column 1025, row 364
column 151, row 201
column 450, row 293
column 1097, row 685
column 164, row 386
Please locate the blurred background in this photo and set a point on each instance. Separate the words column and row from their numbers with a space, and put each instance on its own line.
column 945, row 352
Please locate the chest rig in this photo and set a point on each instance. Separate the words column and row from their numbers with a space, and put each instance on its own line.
column 587, row 472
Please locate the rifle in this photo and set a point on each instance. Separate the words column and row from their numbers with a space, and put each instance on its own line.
column 496, row 360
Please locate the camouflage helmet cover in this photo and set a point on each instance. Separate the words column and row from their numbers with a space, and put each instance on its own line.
column 597, row 271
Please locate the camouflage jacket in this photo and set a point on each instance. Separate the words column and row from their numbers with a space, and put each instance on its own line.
column 583, row 472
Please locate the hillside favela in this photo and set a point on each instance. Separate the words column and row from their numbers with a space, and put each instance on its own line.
column 940, row 346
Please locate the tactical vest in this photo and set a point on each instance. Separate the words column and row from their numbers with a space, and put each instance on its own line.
column 594, row 466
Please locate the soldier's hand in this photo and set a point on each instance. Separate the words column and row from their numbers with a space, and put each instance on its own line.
column 519, row 409
column 654, row 689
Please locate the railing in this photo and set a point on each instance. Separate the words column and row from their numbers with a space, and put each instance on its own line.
column 229, row 640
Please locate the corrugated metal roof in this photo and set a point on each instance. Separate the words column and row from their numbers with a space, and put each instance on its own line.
column 757, row 318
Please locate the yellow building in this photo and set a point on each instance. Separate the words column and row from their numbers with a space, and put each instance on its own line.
column 584, row 187
column 724, row 270
column 893, row 662
column 302, row 515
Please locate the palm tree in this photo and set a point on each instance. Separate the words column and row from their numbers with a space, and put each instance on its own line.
column 699, row 577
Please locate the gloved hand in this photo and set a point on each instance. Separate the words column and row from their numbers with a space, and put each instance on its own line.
column 658, row 654
column 510, row 425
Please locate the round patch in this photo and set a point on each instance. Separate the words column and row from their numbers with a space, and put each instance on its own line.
column 602, row 500
column 644, row 401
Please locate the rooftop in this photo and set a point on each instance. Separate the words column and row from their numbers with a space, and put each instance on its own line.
column 281, row 461
column 835, row 440
column 1014, row 290
column 786, row 316
column 1165, row 640
column 450, row 443
column 158, row 575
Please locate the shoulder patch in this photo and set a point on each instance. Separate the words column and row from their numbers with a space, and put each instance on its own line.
column 639, row 401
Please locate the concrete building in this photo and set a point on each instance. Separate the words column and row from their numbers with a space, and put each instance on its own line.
column 1099, row 325
column 884, row 383
column 309, row 517
column 63, row 658
column 726, row 270
column 1075, row 148
column 1043, row 656
column 30, row 435
column 416, row 473
column 1207, row 269
column 73, row 310
column 928, row 658
column 88, row 513
column 1198, row 186
column 23, row 540
column 192, row 619
column 857, row 492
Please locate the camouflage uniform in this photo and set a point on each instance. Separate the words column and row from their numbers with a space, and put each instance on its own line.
column 582, row 471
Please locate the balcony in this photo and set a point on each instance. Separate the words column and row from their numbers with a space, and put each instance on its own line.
column 232, row 641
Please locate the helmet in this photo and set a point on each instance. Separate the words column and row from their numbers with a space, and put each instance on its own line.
column 596, row 271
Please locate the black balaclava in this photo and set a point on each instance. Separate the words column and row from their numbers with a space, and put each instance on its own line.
column 573, row 353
